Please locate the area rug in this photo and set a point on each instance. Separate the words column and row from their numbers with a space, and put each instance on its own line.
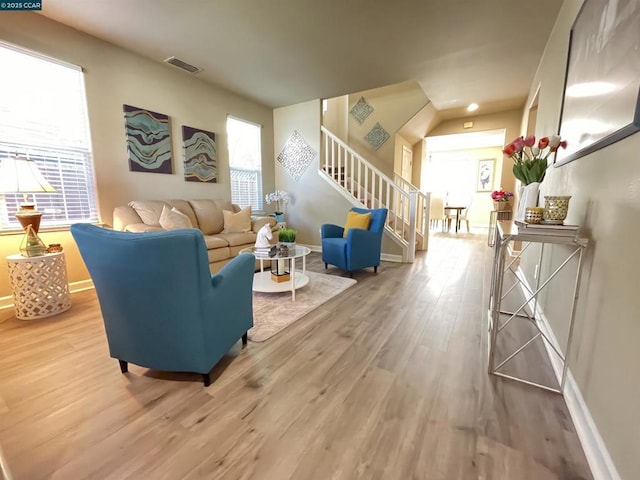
column 273, row 312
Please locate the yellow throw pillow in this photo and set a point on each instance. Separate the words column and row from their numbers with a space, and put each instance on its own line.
column 237, row 222
column 170, row 219
column 356, row 220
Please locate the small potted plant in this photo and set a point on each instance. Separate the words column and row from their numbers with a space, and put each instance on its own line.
column 287, row 237
column 280, row 198
column 501, row 200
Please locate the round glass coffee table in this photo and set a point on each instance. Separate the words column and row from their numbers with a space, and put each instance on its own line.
column 285, row 277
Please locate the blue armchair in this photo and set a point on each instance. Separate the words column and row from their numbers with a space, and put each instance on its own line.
column 161, row 306
column 360, row 249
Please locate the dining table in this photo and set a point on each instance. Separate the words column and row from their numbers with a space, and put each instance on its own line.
column 458, row 209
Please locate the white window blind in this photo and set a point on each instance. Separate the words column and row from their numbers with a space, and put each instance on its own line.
column 245, row 163
column 43, row 116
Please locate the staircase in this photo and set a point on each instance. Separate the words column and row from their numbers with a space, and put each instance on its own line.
column 365, row 186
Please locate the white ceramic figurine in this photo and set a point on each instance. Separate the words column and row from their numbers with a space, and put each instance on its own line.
column 264, row 235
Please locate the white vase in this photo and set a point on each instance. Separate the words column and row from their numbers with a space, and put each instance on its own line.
column 528, row 198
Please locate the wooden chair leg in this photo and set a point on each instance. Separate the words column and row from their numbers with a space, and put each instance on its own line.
column 326, row 265
column 375, row 269
column 124, row 366
column 206, row 379
column 245, row 338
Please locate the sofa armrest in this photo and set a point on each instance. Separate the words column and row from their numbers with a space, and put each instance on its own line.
column 142, row 228
column 123, row 216
column 257, row 223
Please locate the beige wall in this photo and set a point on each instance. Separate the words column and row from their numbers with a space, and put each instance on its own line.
column 393, row 106
column 335, row 117
column 509, row 120
column 313, row 200
column 606, row 204
column 114, row 77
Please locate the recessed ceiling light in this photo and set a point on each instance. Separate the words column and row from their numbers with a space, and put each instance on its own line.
column 472, row 107
column 590, row 89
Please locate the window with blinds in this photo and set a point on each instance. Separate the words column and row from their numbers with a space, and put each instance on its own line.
column 43, row 116
column 245, row 163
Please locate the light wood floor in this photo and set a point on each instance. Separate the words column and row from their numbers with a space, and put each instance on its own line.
column 386, row 381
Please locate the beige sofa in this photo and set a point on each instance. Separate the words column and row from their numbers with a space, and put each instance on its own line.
column 205, row 214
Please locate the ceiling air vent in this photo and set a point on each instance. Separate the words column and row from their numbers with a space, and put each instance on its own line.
column 182, row 65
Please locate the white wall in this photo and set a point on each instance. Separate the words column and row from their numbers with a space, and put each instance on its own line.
column 114, row 77
column 605, row 189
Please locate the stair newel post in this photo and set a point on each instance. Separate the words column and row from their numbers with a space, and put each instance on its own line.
column 413, row 202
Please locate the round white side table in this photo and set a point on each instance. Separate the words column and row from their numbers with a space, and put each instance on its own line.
column 39, row 284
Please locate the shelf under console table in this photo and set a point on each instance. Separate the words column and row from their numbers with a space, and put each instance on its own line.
column 499, row 319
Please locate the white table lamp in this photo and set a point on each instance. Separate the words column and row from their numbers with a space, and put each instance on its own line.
column 21, row 175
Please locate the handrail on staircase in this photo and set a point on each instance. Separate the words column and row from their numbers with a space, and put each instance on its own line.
column 424, row 200
column 365, row 185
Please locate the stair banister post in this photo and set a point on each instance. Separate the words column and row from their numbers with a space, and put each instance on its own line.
column 413, row 205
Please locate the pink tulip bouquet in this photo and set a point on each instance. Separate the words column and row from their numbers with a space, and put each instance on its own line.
column 530, row 160
column 501, row 196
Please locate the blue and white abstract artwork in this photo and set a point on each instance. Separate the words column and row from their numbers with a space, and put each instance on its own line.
column 200, row 155
column 361, row 110
column 377, row 136
column 148, row 140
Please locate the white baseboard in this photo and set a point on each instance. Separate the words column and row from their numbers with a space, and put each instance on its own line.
column 387, row 257
column 81, row 286
column 595, row 450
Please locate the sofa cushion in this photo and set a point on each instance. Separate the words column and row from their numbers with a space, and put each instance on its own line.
column 172, row 218
column 237, row 222
column 218, row 254
column 148, row 210
column 248, row 239
column 214, row 241
column 209, row 214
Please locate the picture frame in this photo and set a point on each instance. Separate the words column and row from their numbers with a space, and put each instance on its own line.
column 485, row 175
column 601, row 101
column 148, row 136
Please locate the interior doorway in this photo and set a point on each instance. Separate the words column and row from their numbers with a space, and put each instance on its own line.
column 463, row 169
column 407, row 163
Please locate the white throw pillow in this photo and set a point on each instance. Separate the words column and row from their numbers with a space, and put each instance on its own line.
column 237, row 222
column 170, row 219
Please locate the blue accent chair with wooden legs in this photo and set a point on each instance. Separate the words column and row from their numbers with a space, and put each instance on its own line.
column 161, row 306
column 360, row 249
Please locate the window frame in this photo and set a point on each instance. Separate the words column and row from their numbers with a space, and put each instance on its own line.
column 242, row 170
column 69, row 166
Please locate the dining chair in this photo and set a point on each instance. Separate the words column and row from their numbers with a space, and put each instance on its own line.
column 436, row 212
column 463, row 216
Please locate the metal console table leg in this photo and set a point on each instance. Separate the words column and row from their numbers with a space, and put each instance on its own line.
column 505, row 233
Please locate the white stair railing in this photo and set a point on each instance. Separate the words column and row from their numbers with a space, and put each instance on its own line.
column 364, row 185
column 422, row 209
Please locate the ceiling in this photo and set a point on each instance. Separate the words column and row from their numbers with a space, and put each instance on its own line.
column 283, row 52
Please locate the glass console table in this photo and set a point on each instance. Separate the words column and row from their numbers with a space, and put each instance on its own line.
column 499, row 319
